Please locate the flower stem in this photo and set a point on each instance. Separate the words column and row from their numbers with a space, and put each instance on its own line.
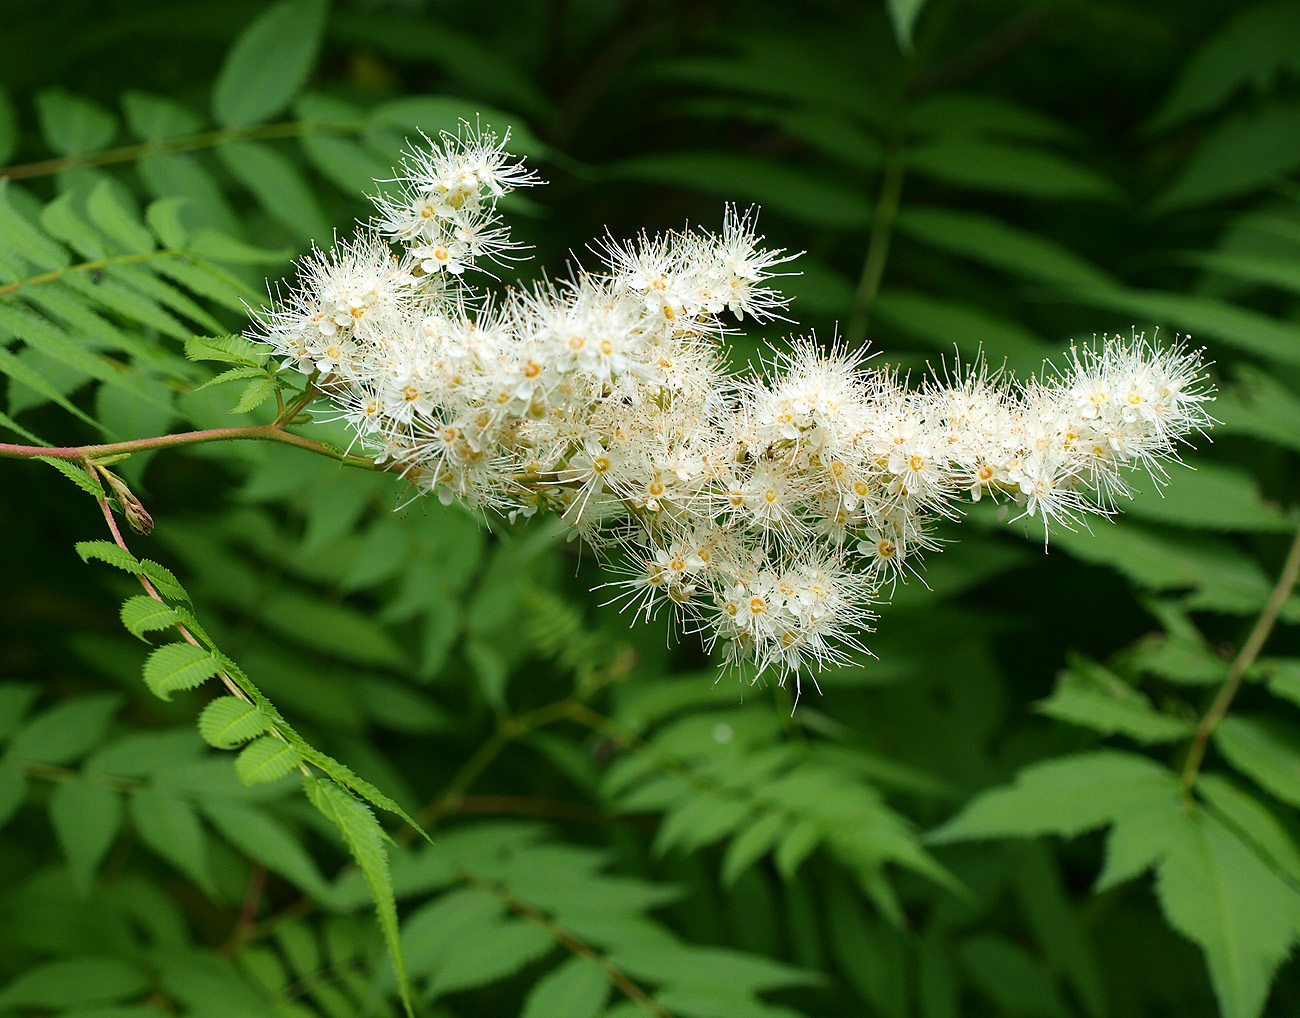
column 873, row 268
column 1250, row 650
column 507, row 731
column 263, row 432
column 91, row 266
column 206, row 139
column 568, row 941
column 152, row 591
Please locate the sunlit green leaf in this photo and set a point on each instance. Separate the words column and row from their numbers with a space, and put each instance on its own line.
column 177, row 666
column 265, row 759
column 365, row 840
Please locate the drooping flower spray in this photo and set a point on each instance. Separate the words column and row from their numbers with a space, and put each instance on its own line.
column 766, row 512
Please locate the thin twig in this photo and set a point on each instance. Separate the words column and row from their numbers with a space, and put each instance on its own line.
column 1250, row 650
column 530, row 806
column 873, row 266
column 91, row 266
column 570, row 943
column 258, row 432
column 149, row 589
column 206, row 139
column 988, row 52
column 286, row 417
column 507, row 731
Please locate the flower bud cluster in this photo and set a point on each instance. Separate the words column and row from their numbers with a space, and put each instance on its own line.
column 766, row 512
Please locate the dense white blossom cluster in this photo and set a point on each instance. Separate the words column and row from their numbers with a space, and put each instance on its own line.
column 766, row 512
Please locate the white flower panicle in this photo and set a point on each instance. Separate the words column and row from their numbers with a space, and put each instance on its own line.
column 765, row 513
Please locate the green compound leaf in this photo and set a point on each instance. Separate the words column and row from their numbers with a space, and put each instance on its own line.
column 226, row 349
column 8, row 128
column 1097, row 698
column 796, row 845
column 168, row 825
column 1266, row 750
column 485, row 955
column 177, row 174
column 264, row 839
column 231, row 375
column 754, row 842
column 18, row 234
column 1251, row 819
column 265, row 760
column 1066, row 796
column 278, row 185
column 1006, row 167
column 86, row 815
column 819, row 202
column 1000, row 245
column 15, row 701
column 21, row 371
column 75, row 982
column 1282, row 676
column 365, row 840
column 298, row 943
column 179, row 666
column 8, row 422
column 228, row 722
column 78, row 475
column 157, row 118
column 107, row 551
column 1221, row 876
column 903, row 15
column 219, row 247
column 354, row 783
column 1237, row 156
column 1215, row 889
column 116, row 221
column 1010, row 976
column 73, row 125
column 164, row 218
column 13, row 789
column 1250, row 49
column 269, row 62
column 432, row 114
column 1209, row 496
column 206, row 280
column 164, row 581
column 65, row 731
column 577, row 989
column 255, row 393
column 144, row 614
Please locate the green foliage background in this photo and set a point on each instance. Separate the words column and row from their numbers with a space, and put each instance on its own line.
column 987, row 820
